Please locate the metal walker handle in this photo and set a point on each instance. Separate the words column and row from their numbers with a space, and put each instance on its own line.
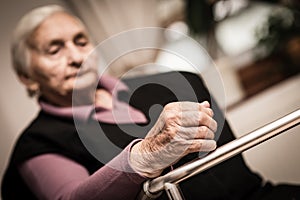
column 169, row 182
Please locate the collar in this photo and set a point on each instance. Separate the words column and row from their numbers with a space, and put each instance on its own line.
column 121, row 112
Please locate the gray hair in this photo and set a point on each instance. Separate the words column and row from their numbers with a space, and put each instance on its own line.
column 26, row 26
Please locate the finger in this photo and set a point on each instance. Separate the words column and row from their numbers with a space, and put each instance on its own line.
column 205, row 107
column 184, row 106
column 208, row 121
column 212, row 125
column 202, row 107
column 193, row 118
column 191, row 133
column 208, row 111
column 201, row 145
column 205, row 104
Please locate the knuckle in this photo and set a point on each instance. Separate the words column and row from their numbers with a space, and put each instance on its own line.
column 211, row 135
column 203, row 132
column 214, row 125
column 206, row 133
column 172, row 116
column 201, row 117
column 211, row 112
column 203, row 129
column 170, row 106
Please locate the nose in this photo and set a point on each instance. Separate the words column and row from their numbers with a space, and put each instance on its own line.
column 75, row 56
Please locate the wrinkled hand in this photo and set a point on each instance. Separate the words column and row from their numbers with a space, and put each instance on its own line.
column 182, row 128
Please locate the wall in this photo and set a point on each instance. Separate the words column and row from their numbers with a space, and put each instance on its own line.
column 277, row 159
column 17, row 109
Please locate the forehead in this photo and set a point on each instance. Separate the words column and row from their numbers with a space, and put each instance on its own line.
column 57, row 26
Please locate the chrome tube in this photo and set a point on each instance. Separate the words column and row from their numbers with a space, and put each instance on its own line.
column 173, row 191
column 224, row 152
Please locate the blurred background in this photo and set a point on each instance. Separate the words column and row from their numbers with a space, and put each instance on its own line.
column 253, row 45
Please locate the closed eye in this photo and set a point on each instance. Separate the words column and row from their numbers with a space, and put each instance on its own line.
column 54, row 47
column 81, row 39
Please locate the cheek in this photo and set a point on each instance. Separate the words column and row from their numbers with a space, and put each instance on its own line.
column 48, row 72
column 91, row 58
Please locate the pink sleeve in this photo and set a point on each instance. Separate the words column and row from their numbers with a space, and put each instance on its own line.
column 52, row 176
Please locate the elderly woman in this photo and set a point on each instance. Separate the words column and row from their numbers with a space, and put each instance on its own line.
column 52, row 158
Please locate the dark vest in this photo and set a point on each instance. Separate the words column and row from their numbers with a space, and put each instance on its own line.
column 51, row 134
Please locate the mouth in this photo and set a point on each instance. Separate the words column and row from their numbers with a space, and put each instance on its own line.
column 77, row 74
column 74, row 75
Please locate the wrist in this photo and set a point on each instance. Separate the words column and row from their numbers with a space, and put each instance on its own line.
column 140, row 164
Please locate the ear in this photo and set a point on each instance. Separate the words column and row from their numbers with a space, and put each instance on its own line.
column 30, row 84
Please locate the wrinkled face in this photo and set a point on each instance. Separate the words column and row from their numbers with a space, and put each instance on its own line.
column 58, row 48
